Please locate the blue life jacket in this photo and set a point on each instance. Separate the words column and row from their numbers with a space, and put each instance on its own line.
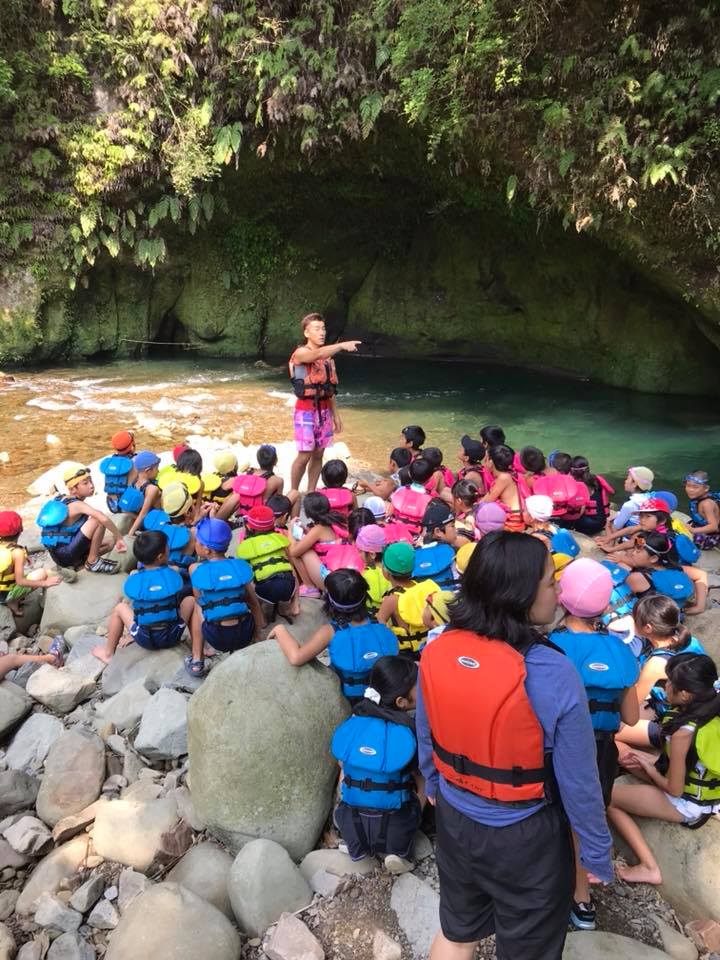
column 354, row 651
column 221, row 585
column 696, row 518
column 687, row 551
column 434, row 561
column 155, row 520
column 657, row 697
column 377, row 757
column 562, row 541
column 178, row 538
column 116, row 470
column 131, row 500
column 675, row 584
column 622, row 599
column 51, row 520
column 155, row 596
column 607, row 667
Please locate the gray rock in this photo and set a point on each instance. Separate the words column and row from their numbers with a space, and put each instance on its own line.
column 7, row 943
column 117, row 744
column 28, row 835
column 265, row 883
column 87, row 895
column 135, row 663
column 10, row 857
column 74, row 773
column 59, row 690
column 61, row 864
column 8, row 629
column 132, row 833
column 205, row 870
column 69, row 827
column 385, row 948
column 18, row 791
column 14, row 704
column 8, row 899
column 103, row 916
column 75, row 634
column 53, row 913
column 168, row 922
column 163, row 728
column 111, row 893
column 89, row 600
column 186, row 808
column 125, row 708
column 598, row 945
column 422, row 848
column 259, row 735
column 32, row 950
column 70, row 946
column 32, row 742
column 417, row 907
column 130, row 886
column 675, row 944
column 291, row 940
column 81, row 661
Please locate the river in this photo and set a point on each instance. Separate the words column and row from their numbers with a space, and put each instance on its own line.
column 165, row 400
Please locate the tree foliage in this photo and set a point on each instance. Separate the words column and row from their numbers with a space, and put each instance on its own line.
column 117, row 117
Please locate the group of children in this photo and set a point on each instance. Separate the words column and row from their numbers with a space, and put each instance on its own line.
column 387, row 556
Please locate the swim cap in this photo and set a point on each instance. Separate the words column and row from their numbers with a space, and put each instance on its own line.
column 399, row 558
column 74, row 473
column 585, row 587
column 225, row 461
column 670, row 499
column 260, row 518
column 376, row 506
column 462, row 557
column 642, row 476
column 539, row 506
column 180, row 448
column 145, row 460
column 489, row 517
column 122, row 441
column 10, row 523
column 176, row 501
column 370, row 538
column 654, row 504
column 213, row 534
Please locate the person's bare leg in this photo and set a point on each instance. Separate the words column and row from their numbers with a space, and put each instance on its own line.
column 196, row 621
column 299, row 465
column 635, row 736
column 314, row 468
column 582, row 884
column 642, row 800
column 301, row 570
column 700, row 582
column 312, row 568
column 444, row 949
column 121, row 619
column 12, row 661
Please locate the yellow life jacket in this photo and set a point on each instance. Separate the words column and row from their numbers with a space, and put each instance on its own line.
column 679, row 527
column 410, row 607
column 7, row 569
column 213, row 490
column 171, row 474
column 378, row 586
column 702, row 781
column 266, row 554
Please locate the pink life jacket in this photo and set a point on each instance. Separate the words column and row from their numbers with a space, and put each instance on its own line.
column 397, row 533
column 342, row 537
column 344, row 556
column 409, row 507
column 448, row 476
column 339, row 498
column 250, row 489
column 560, row 487
column 487, row 475
column 600, row 501
column 580, row 499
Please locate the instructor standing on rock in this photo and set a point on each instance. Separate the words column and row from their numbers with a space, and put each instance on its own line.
column 314, row 380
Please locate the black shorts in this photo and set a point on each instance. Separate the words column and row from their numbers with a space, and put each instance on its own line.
column 157, row 638
column 367, row 831
column 229, row 638
column 516, row 881
column 607, row 763
column 73, row 554
column 276, row 589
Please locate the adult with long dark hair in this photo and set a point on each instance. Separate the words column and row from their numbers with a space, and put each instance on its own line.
column 507, row 750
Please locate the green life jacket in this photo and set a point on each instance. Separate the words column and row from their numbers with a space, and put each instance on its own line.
column 266, row 553
column 702, row 781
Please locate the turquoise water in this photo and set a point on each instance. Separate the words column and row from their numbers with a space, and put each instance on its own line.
column 166, row 400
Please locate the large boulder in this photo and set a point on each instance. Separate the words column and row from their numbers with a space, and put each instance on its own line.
column 259, row 732
column 128, row 664
column 74, row 774
column 31, row 743
column 598, row 945
column 265, row 883
column 61, row 864
column 205, row 870
column 14, row 704
column 89, row 600
column 132, row 833
column 706, row 627
column 169, row 922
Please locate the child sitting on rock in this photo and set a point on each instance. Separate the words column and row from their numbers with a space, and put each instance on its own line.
column 704, row 510
column 266, row 550
column 157, row 614
column 227, row 614
column 383, row 487
column 143, row 494
column 14, row 583
column 381, row 789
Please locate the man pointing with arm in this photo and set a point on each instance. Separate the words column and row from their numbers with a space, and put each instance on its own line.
column 314, row 380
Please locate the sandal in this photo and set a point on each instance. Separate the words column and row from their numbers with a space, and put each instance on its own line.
column 103, row 566
column 57, row 650
column 311, row 592
column 196, row 668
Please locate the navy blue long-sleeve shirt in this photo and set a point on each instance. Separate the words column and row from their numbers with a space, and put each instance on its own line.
column 559, row 700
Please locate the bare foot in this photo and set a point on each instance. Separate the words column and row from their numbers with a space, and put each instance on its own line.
column 102, row 654
column 209, row 651
column 640, row 874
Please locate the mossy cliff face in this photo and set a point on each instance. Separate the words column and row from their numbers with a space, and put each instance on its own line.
column 408, row 274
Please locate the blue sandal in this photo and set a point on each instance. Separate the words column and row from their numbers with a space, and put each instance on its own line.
column 196, row 668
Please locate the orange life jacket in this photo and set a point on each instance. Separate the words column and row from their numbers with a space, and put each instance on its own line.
column 486, row 737
column 313, row 381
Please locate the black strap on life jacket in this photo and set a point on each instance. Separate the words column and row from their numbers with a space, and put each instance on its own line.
column 142, row 606
column 270, row 560
column 514, row 777
column 391, row 787
column 604, row 706
column 223, row 601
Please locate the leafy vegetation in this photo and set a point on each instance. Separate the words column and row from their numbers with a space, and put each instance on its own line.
column 118, row 117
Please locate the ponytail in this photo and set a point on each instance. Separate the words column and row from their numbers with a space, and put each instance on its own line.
column 697, row 674
column 317, row 508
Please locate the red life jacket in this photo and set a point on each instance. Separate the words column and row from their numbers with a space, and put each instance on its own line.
column 486, row 736
column 322, row 547
column 599, row 501
column 560, row 487
column 250, row 489
column 409, row 507
column 340, row 498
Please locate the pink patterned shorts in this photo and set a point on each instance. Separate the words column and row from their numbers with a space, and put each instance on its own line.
column 313, row 428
